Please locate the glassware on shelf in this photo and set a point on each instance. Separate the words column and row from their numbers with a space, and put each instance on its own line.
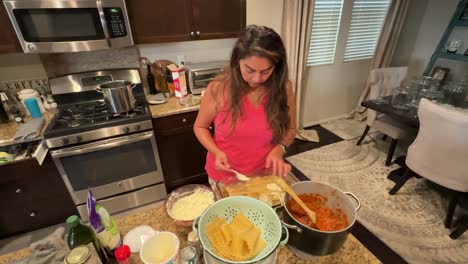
column 454, row 45
column 455, row 92
column 424, row 84
column 400, row 98
column 433, row 95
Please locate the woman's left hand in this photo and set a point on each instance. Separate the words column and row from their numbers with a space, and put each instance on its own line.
column 275, row 162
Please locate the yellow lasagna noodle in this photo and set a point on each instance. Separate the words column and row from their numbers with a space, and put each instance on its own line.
column 239, row 240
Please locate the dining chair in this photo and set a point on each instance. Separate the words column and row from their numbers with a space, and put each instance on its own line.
column 440, row 154
column 382, row 82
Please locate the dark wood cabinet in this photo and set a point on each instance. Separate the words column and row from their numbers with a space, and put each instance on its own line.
column 218, row 19
column 182, row 156
column 33, row 197
column 8, row 39
column 183, row 20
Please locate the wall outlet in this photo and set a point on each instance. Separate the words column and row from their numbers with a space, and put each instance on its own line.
column 181, row 59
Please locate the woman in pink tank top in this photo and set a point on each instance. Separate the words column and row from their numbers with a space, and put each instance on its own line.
column 252, row 106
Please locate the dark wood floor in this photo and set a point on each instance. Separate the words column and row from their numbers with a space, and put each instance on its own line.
column 369, row 240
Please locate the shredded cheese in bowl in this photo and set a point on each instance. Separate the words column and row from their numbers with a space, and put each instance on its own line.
column 191, row 206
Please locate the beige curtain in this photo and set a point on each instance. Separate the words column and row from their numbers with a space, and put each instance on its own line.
column 385, row 48
column 295, row 32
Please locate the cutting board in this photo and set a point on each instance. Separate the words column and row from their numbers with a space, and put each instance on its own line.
column 263, row 188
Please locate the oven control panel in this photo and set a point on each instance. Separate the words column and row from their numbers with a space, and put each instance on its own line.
column 115, row 22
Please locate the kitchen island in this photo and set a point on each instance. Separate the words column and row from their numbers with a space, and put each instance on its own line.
column 351, row 252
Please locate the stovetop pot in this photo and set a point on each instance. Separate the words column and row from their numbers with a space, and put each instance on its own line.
column 118, row 96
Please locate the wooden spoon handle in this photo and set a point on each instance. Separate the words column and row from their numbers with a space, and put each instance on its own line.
column 296, row 198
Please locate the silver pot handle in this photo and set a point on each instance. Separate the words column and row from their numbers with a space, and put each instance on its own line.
column 294, row 227
column 355, row 199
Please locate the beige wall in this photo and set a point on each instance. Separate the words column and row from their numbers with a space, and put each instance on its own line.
column 424, row 26
column 265, row 12
column 331, row 91
column 20, row 66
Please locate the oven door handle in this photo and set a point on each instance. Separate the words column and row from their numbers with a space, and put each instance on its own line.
column 107, row 144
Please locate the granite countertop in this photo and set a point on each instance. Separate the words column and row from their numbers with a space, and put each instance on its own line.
column 8, row 130
column 172, row 107
column 351, row 252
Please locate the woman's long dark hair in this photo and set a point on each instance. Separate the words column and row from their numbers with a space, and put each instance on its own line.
column 265, row 42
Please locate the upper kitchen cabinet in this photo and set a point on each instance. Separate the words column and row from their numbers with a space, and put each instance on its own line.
column 213, row 19
column 183, row 20
column 8, row 39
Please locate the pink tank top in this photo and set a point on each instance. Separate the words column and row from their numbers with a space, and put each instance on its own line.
column 246, row 146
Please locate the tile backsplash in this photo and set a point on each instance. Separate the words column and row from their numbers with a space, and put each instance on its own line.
column 58, row 64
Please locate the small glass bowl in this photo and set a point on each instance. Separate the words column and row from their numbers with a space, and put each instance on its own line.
column 179, row 193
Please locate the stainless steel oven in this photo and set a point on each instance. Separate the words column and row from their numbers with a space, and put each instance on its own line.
column 114, row 155
column 47, row 26
column 115, row 166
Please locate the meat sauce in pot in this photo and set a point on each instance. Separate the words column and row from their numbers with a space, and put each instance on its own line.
column 326, row 218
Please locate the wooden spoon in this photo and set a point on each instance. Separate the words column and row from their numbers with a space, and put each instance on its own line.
column 296, row 198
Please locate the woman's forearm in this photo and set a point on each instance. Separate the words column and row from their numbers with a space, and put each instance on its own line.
column 204, row 136
column 289, row 137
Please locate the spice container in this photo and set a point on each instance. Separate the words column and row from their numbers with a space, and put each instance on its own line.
column 122, row 254
column 189, row 255
column 194, row 241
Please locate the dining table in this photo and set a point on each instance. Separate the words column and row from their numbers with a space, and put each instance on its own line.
column 407, row 116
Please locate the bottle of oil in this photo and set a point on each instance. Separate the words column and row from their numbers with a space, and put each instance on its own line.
column 150, row 77
column 80, row 234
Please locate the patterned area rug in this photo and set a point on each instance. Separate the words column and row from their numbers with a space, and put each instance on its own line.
column 410, row 222
column 346, row 129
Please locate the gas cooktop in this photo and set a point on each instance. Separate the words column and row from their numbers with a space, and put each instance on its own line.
column 83, row 117
column 82, row 114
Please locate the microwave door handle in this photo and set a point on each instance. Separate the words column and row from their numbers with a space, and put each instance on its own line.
column 103, row 22
column 107, row 144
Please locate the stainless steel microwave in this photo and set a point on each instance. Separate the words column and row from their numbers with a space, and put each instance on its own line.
column 49, row 26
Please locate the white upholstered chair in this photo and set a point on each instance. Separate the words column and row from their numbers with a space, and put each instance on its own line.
column 382, row 82
column 440, row 153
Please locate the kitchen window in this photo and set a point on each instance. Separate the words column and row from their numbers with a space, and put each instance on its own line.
column 344, row 31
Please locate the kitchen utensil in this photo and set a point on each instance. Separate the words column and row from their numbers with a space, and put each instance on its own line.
column 296, row 198
column 13, row 108
column 179, row 193
column 258, row 212
column 240, row 176
column 157, row 248
column 118, row 96
column 313, row 241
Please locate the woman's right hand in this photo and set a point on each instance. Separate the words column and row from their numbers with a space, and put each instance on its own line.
column 221, row 161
